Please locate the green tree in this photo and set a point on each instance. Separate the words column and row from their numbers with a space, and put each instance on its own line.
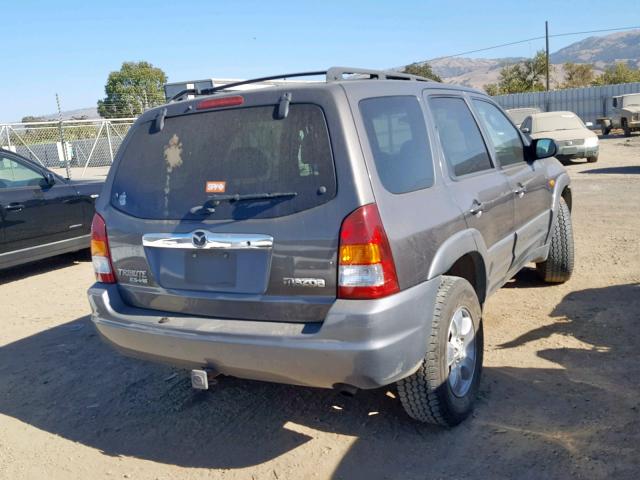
column 619, row 73
column 492, row 89
column 30, row 118
column 422, row 70
column 526, row 76
column 577, row 75
column 536, row 69
column 131, row 90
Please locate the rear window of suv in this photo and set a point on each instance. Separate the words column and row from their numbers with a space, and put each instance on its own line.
column 398, row 138
column 245, row 151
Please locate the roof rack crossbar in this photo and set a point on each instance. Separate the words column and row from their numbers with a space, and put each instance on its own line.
column 334, row 74
column 186, row 91
column 209, row 91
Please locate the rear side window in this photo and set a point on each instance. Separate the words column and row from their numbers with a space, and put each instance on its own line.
column 398, row 138
column 505, row 138
column 461, row 140
column 246, row 151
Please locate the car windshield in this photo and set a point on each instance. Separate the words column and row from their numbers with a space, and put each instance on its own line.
column 562, row 121
column 267, row 167
column 518, row 115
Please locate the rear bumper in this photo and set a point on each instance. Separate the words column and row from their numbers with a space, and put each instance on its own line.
column 363, row 343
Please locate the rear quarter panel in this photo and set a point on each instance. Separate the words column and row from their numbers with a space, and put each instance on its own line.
column 417, row 223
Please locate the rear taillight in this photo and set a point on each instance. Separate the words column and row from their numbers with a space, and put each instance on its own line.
column 366, row 268
column 100, row 254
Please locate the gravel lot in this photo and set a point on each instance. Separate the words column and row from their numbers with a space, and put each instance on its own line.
column 560, row 396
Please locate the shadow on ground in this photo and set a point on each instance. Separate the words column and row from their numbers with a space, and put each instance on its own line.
column 618, row 133
column 528, row 277
column 626, row 170
column 582, row 411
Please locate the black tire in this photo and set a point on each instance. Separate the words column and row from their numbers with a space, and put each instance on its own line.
column 559, row 264
column 625, row 127
column 83, row 255
column 427, row 395
column 592, row 159
column 606, row 130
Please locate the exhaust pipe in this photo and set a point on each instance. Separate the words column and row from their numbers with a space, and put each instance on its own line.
column 345, row 389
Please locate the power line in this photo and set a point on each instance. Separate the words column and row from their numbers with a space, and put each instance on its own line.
column 530, row 40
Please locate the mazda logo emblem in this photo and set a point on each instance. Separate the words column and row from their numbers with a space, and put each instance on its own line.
column 199, row 239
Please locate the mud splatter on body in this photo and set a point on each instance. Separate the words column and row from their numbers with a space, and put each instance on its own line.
column 173, row 159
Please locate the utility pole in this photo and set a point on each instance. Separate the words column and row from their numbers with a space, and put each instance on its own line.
column 546, row 36
column 64, row 145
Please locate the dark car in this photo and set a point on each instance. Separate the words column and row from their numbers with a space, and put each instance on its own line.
column 341, row 234
column 41, row 213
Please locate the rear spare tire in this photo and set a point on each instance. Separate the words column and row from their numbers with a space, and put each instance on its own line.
column 559, row 264
column 443, row 389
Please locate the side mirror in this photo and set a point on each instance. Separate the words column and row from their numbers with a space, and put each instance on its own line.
column 543, row 148
column 588, row 124
column 49, row 179
column 525, row 130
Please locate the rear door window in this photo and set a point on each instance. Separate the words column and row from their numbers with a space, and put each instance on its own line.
column 461, row 140
column 398, row 138
column 246, row 151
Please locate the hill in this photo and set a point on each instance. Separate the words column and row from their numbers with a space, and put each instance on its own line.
column 602, row 51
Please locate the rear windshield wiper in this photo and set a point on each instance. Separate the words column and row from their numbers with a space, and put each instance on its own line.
column 212, row 202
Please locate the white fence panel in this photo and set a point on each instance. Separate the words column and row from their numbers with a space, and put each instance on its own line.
column 588, row 103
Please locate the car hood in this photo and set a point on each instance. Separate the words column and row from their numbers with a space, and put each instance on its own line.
column 572, row 134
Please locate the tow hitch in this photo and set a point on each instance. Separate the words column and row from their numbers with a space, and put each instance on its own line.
column 202, row 379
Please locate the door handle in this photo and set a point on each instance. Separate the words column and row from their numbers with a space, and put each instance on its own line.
column 14, row 207
column 520, row 191
column 476, row 208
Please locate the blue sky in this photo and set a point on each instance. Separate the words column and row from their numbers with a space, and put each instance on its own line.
column 69, row 47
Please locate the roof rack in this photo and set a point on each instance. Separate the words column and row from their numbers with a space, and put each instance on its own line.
column 336, row 74
column 333, row 74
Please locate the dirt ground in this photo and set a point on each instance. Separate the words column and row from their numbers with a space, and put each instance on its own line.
column 560, row 396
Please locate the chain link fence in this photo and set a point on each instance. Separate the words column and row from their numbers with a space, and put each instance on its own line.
column 72, row 148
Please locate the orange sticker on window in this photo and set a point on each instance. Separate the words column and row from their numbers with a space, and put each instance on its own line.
column 216, row 187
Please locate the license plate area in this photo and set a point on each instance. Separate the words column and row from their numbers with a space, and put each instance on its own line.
column 211, row 270
column 215, row 269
